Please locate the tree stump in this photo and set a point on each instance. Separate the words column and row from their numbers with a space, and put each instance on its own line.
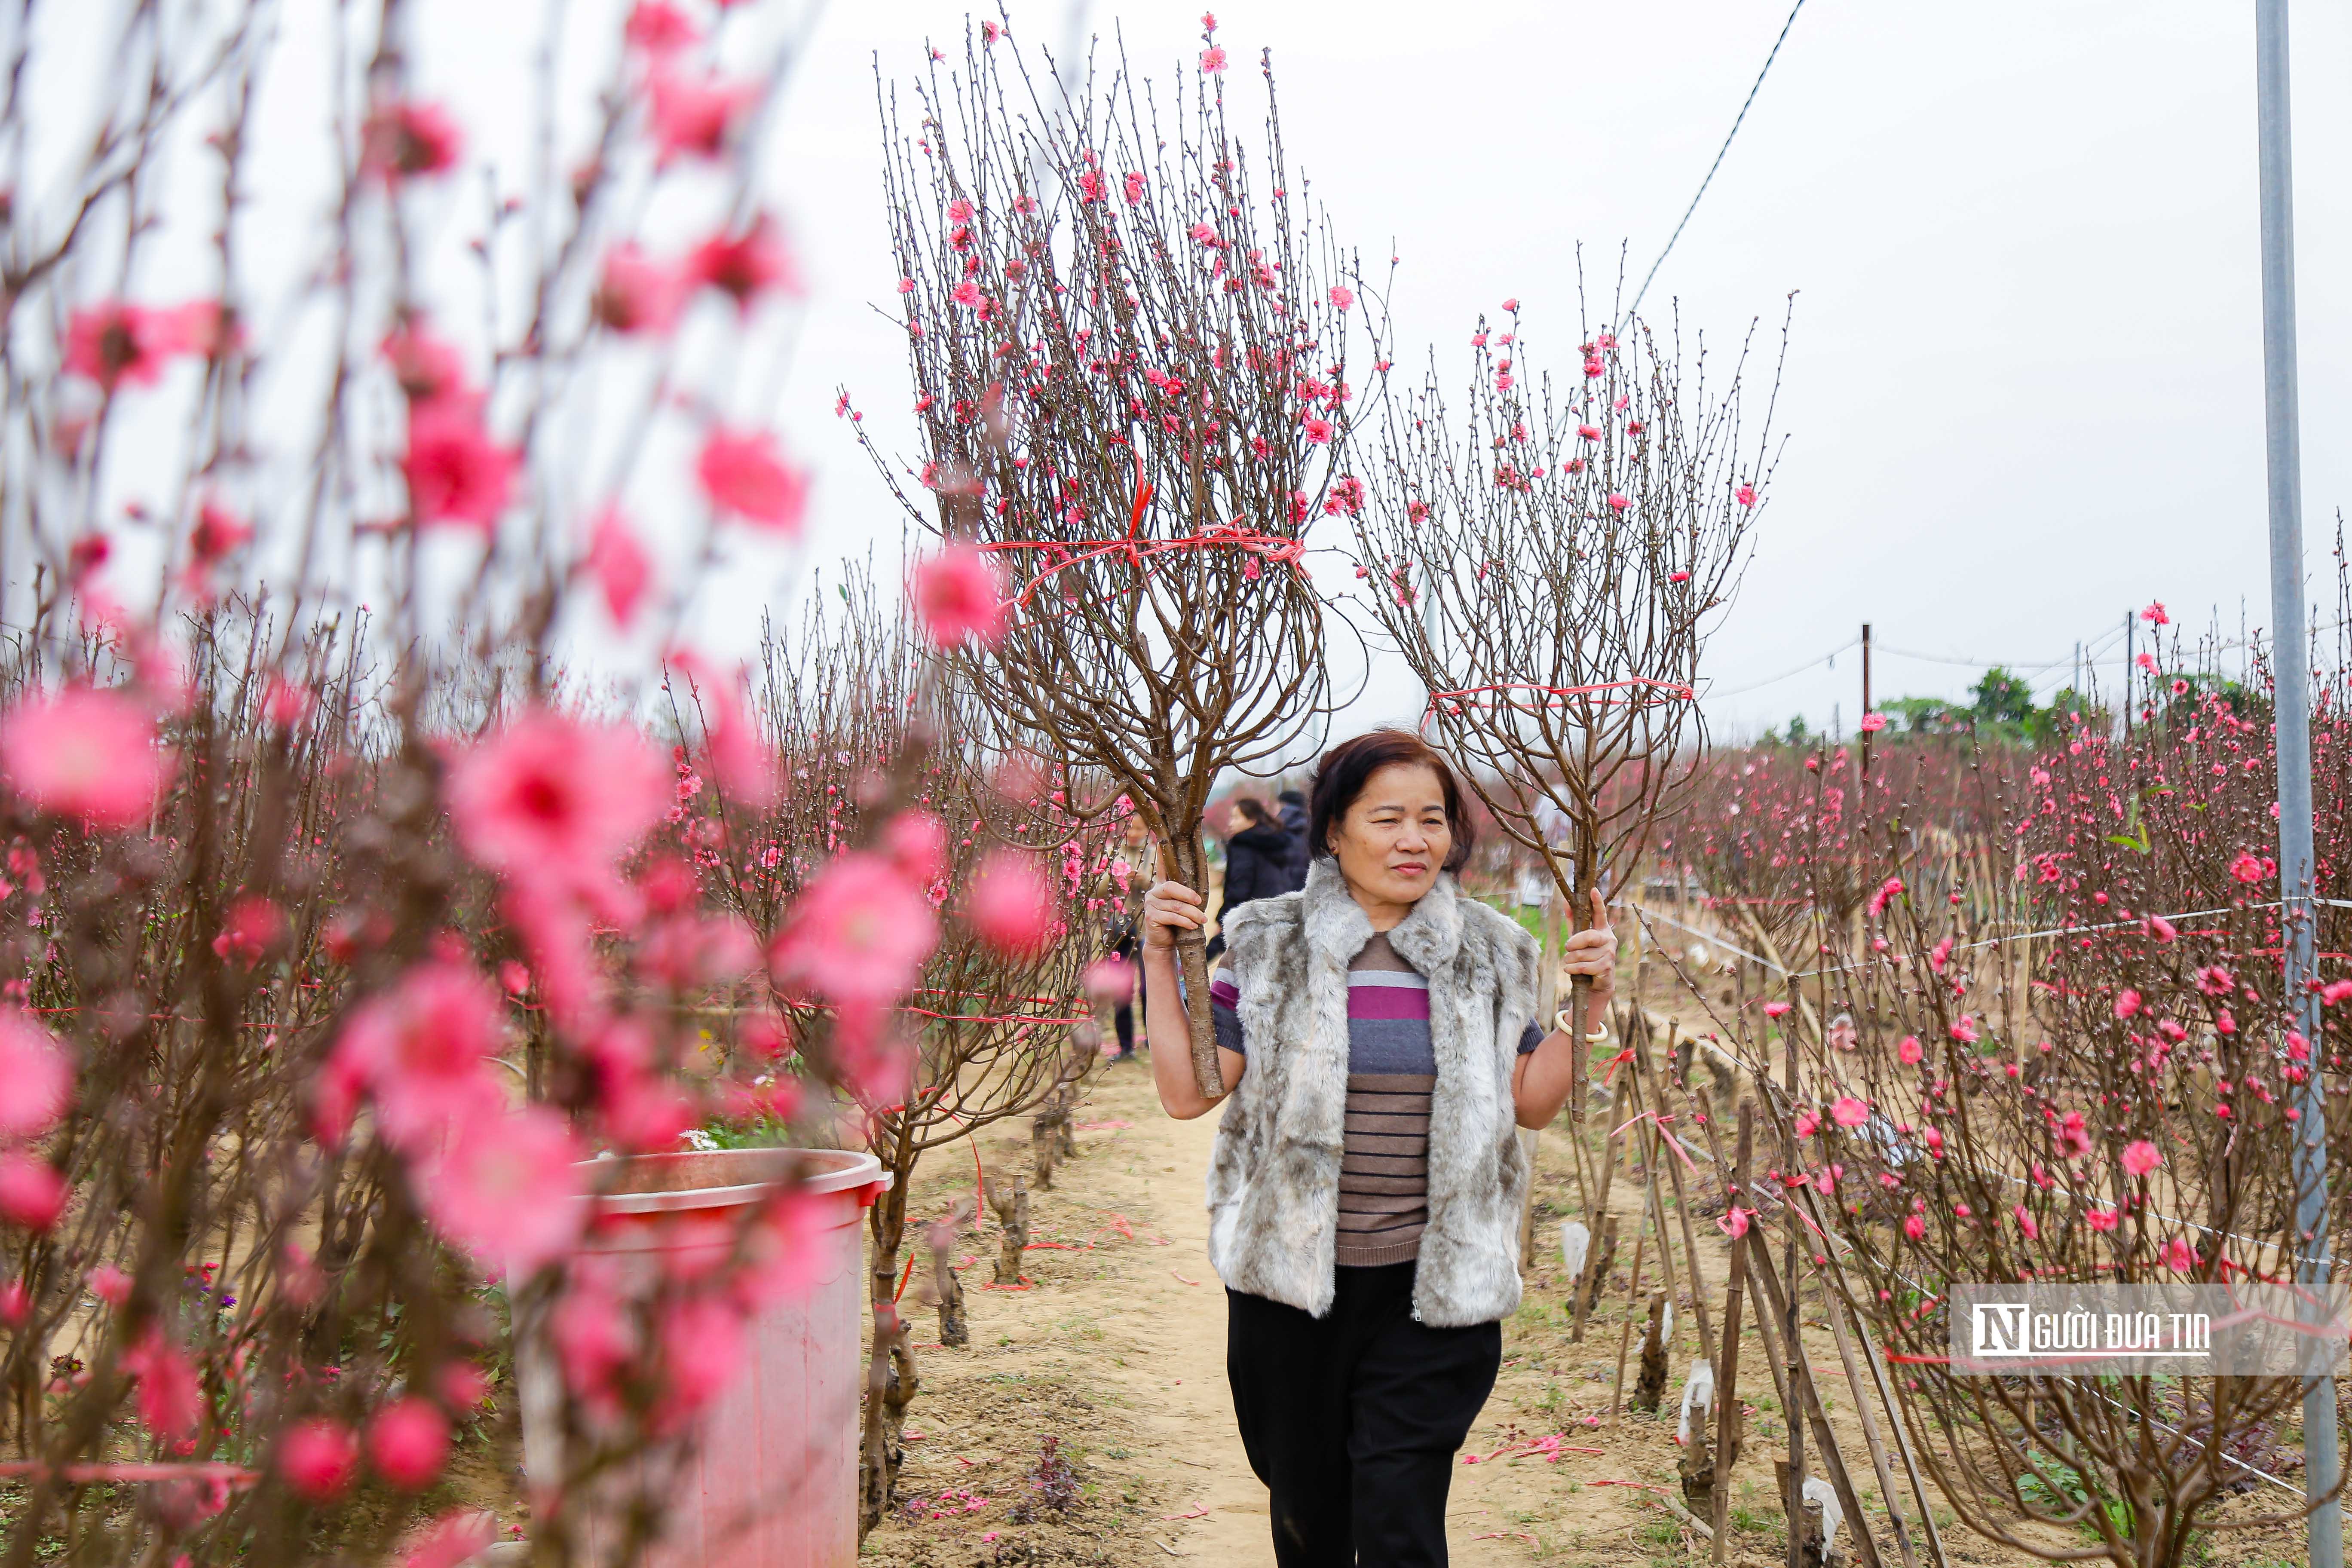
column 1804, row 1516
column 953, row 1330
column 1011, row 1205
column 1649, row 1387
column 1045, row 1148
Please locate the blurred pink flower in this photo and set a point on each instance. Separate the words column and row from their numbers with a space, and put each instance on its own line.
column 2179, row 1256
column 2247, row 868
column 1848, row 1112
column 422, row 1048
column 917, row 844
column 455, row 472
column 402, row 140
column 1872, row 723
column 1964, row 1029
column 217, row 532
column 1009, row 905
column 1745, row 495
column 37, row 1077
column 505, row 1190
column 84, row 752
column 319, row 1458
column 170, row 1399
column 2126, row 1003
column 1588, row 432
column 1318, row 429
column 1512, row 305
column 659, row 28
column 1807, row 1124
column 2073, row 1136
column 696, row 117
column 115, row 342
column 1909, row 1049
column 110, row 1284
column 2101, row 1219
column 1913, row 1226
column 1618, row 502
column 960, row 595
column 859, row 933
column 1885, row 896
column 1134, row 189
column 428, row 368
column 1213, row 58
column 619, row 565
column 250, row 928
column 2154, row 615
column 743, row 473
column 1109, row 982
column 701, row 1347
column 636, row 293
column 745, row 266
column 1342, row 296
column 556, row 799
column 408, row 1442
column 2140, row 1157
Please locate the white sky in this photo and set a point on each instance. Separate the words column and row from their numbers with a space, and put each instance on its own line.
column 2024, row 388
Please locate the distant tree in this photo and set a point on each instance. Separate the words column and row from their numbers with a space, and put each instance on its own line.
column 2003, row 697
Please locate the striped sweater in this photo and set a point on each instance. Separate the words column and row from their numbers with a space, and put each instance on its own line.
column 1391, row 1069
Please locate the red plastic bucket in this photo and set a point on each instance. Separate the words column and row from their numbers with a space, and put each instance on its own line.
column 773, row 1481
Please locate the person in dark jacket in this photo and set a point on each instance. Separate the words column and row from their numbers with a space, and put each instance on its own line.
column 1258, row 860
column 1294, row 822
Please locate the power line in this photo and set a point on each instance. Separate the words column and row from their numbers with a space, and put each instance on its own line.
column 1719, row 152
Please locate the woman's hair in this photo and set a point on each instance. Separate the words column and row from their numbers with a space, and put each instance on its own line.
column 1249, row 807
column 1346, row 767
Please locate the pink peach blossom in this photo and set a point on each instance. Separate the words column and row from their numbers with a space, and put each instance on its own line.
column 505, row 1190
column 37, row 1077
column 457, row 1537
column 917, row 844
column 2140, row 1157
column 86, row 752
column 2126, row 1003
column 421, row 1048
column 319, row 1458
column 743, row 473
column 171, row 1398
column 745, row 266
column 1009, row 905
column 455, row 472
column 658, row 28
column 1909, row 1049
column 859, row 933
column 2179, row 1256
column 619, row 565
column 115, row 342
column 403, row 139
column 638, row 294
column 408, row 1442
column 2101, row 1219
column 695, row 117
column 960, row 597
column 552, row 797
column 1848, row 1112
column 1213, row 59
column 1342, row 296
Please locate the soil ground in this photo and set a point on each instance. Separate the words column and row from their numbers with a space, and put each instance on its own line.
column 1116, row 1352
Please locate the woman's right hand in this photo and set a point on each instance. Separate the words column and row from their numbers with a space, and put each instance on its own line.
column 1170, row 906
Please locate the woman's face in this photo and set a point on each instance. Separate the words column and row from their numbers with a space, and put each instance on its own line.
column 1136, row 834
column 1393, row 840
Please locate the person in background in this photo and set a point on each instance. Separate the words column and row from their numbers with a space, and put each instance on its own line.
column 1136, row 853
column 1257, row 862
column 1294, row 822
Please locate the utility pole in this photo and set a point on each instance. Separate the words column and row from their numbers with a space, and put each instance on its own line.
column 2130, row 663
column 2283, row 456
column 1866, row 702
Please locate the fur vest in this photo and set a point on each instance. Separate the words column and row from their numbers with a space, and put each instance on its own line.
column 1274, row 1176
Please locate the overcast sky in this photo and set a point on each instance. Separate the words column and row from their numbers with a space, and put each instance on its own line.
column 2023, row 391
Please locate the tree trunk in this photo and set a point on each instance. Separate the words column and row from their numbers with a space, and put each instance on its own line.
column 1187, row 863
column 890, row 1379
column 1043, row 1147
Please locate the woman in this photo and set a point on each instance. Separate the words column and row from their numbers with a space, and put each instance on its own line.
column 1136, row 858
column 1375, row 1036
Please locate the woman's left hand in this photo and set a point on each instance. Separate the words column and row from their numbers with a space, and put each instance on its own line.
column 1594, row 953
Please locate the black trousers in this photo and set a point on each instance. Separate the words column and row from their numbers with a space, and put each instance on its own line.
column 1352, row 1419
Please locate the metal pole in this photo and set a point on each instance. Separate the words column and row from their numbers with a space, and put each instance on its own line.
column 2290, row 662
column 1865, row 700
column 2129, row 666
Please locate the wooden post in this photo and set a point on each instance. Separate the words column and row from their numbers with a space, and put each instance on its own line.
column 1682, row 1208
column 1807, row 1546
column 1599, row 1258
column 1726, row 1382
column 1870, row 1430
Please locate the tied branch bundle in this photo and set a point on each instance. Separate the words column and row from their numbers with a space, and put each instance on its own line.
column 1129, row 338
column 1546, row 557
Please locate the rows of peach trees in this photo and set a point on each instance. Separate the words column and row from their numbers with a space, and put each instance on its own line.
column 2073, row 1057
